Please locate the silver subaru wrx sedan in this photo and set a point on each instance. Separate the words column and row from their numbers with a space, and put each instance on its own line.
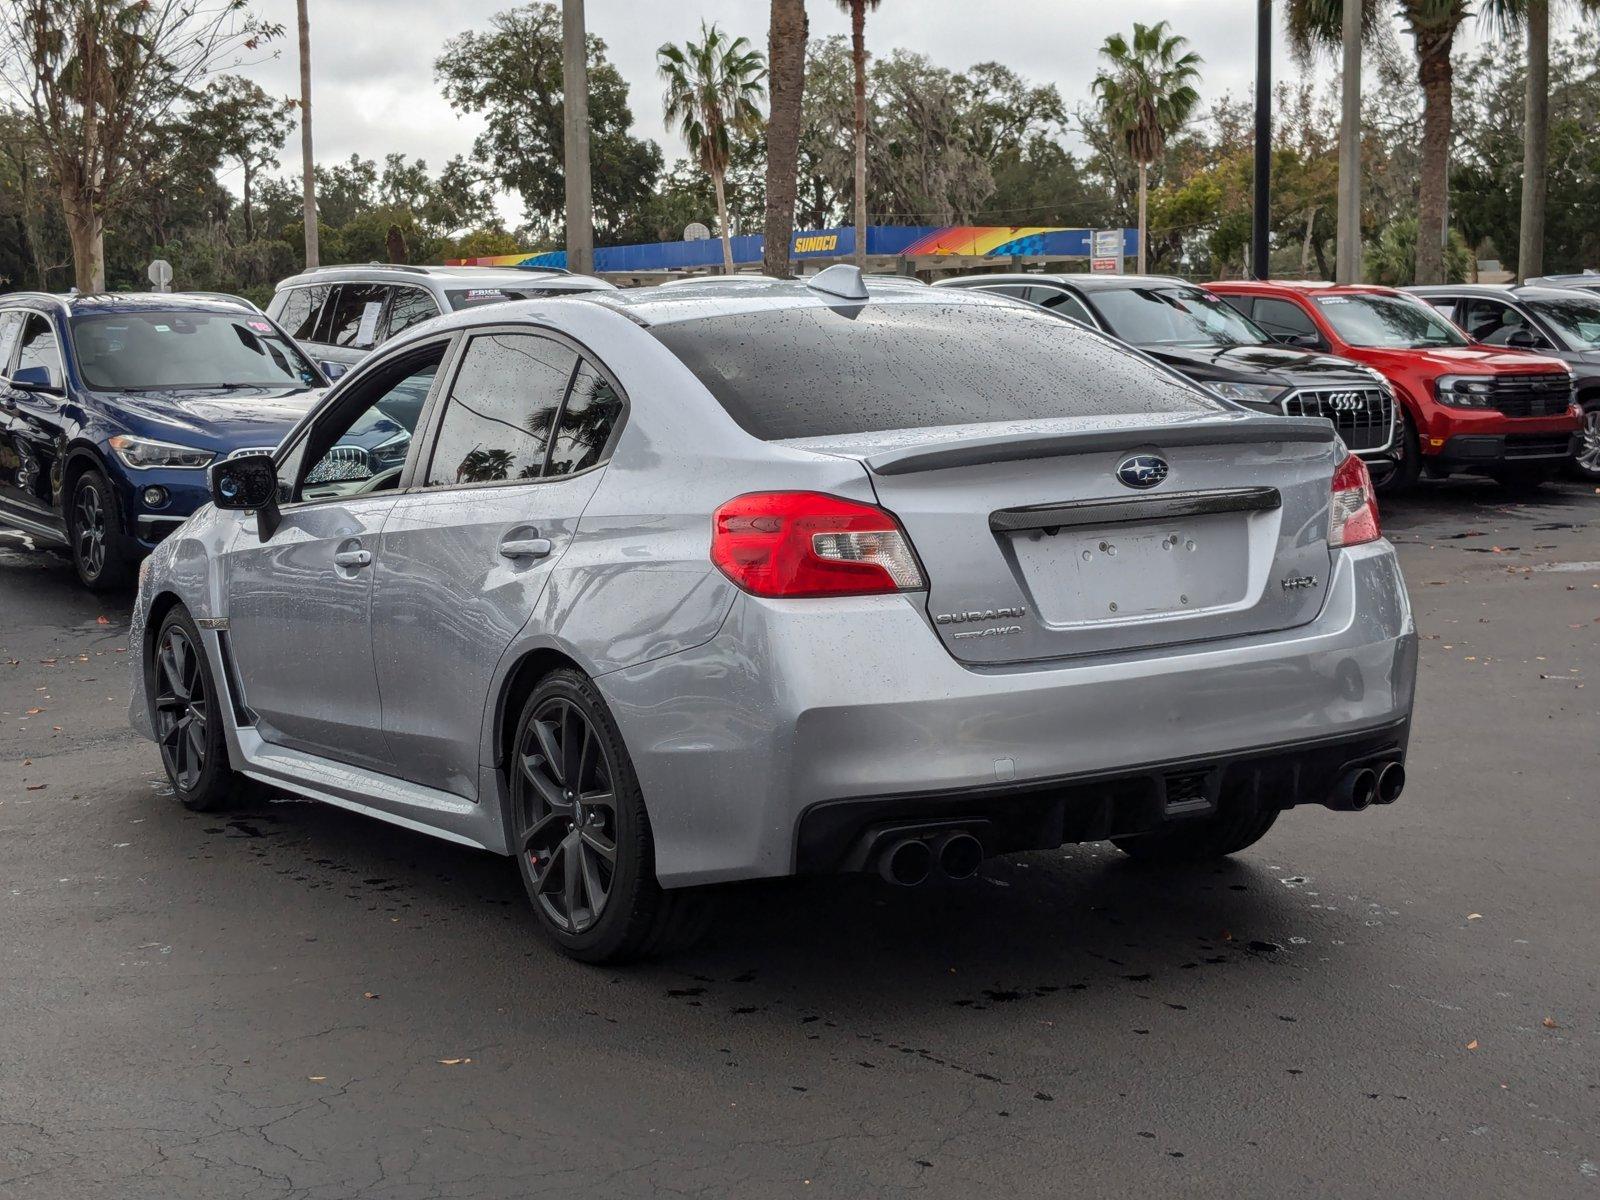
column 658, row 589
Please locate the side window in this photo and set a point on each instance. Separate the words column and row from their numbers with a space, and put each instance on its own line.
column 1284, row 318
column 1446, row 306
column 502, row 405
column 1015, row 290
column 364, row 452
column 409, row 306
column 1061, row 301
column 1493, row 323
column 353, row 322
column 10, row 328
column 1243, row 305
column 40, row 347
column 587, row 423
column 301, row 308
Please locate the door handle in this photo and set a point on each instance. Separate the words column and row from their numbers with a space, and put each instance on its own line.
column 536, row 547
column 353, row 558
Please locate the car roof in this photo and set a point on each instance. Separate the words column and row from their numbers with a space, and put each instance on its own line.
column 478, row 277
column 1079, row 279
column 1514, row 291
column 1302, row 287
column 112, row 302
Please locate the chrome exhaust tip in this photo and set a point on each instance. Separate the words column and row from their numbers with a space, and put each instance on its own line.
column 906, row 863
column 960, row 854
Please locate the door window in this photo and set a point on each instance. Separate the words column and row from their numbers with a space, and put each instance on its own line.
column 1284, row 318
column 409, row 307
column 1061, row 301
column 40, row 347
column 10, row 327
column 587, row 423
column 1495, row 324
column 362, row 447
column 502, row 405
column 357, row 308
column 302, row 307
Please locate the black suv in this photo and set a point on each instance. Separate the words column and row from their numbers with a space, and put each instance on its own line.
column 1201, row 336
column 1562, row 322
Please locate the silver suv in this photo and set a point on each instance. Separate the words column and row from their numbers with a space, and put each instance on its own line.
column 679, row 586
column 340, row 314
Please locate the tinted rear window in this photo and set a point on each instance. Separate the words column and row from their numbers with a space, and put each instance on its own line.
column 816, row 371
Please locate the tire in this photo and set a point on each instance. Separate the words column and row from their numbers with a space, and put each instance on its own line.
column 102, row 554
column 1585, row 465
column 1227, row 832
column 186, row 715
column 583, row 843
column 1406, row 458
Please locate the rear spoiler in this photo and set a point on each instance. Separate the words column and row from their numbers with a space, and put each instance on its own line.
column 1018, row 447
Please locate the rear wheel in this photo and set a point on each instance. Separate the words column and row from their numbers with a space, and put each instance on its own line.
column 1585, row 463
column 185, row 709
column 103, row 555
column 1228, row 832
column 585, row 850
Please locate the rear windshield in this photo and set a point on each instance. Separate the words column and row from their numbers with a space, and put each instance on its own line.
column 157, row 351
column 817, row 371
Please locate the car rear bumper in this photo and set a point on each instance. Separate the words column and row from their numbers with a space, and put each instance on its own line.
column 796, row 706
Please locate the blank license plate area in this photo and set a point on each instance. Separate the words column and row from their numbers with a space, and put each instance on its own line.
column 1089, row 576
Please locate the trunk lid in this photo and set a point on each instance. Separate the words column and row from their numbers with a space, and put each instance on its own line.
column 1035, row 549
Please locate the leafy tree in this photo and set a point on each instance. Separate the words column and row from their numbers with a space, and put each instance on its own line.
column 714, row 88
column 1146, row 93
column 247, row 127
column 1393, row 258
column 94, row 77
column 512, row 74
column 858, row 61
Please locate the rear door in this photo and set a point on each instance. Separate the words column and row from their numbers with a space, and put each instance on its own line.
column 33, row 421
column 516, row 453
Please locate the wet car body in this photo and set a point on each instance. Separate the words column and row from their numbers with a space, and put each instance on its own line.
column 1033, row 615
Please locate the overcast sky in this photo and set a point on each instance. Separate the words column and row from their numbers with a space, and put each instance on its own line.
column 372, row 60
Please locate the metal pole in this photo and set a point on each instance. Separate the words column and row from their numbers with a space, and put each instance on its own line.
column 575, row 86
column 308, row 178
column 1348, row 237
column 1261, row 214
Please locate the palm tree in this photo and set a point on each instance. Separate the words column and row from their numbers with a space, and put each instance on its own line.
column 1432, row 25
column 786, row 53
column 714, row 87
column 1146, row 92
column 858, row 57
column 308, row 179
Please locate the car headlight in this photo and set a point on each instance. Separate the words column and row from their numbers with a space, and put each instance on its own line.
column 1465, row 391
column 1250, row 393
column 142, row 453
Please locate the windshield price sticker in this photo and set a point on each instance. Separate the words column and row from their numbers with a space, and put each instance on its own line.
column 1333, row 300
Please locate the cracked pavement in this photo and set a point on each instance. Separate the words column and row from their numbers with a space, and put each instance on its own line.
column 1400, row 1001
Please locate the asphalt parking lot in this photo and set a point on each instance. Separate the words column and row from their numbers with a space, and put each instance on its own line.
column 288, row 1000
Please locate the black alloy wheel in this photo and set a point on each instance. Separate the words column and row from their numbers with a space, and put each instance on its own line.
column 89, row 532
column 1586, row 462
column 1397, row 470
column 182, row 704
column 101, row 554
column 568, row 815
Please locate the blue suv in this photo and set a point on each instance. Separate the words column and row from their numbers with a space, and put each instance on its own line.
column 112, row 406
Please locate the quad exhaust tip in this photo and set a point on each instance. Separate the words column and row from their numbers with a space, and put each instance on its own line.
column 1357, row 790
column 960, row 855
column 1391, row 782
column 907, row 862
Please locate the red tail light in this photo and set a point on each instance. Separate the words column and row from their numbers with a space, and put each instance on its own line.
column 809, row 544
column 1354, row 518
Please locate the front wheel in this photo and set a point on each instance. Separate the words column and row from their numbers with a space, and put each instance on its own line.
column 102, row 554
column 1397, row 471
column 186, row 711
column 585, row 849
column 1585, row 463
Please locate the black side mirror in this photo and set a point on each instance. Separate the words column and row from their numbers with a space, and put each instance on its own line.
column 245, row 483
column 1524, row 339
column 34, row 379
column 332, row 370
column 1300, row 341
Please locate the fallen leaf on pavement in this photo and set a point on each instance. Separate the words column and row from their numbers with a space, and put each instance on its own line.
column 37, row 787
column 1550, row 1023
column 453, row 1062
column 369, row 995
column 33, row 712
column 102, row 620
column 1474, row 916
column 317, row 1078
column 1473, row 1044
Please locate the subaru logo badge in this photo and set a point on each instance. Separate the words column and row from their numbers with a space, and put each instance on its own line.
column 1142, row 470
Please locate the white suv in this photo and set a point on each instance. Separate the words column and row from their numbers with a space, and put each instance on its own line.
column 339, row 314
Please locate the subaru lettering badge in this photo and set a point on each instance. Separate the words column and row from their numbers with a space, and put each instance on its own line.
column 1142, row 470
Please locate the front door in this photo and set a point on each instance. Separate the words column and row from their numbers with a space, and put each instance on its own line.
column 299, row 603
column 32, row 422
column 464, row 557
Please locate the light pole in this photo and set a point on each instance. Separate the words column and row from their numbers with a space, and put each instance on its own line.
column 575, row 86
column 1348, row 236
column 1261, row 216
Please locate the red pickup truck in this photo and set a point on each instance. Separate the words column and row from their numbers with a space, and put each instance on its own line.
column 1463, row 406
